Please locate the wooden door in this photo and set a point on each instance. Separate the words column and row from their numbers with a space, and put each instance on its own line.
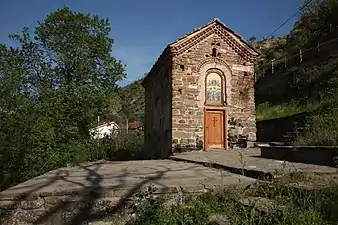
column 214, row 129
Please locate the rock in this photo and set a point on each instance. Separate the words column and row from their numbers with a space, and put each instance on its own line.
column 218, row 219
column 263, row 204
column 172, row 202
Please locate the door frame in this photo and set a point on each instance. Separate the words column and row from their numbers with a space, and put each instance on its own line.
column 225, row 128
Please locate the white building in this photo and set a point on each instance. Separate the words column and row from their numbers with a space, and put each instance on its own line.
column 104, row 129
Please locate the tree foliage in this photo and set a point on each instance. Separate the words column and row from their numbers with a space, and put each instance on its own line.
column 52, row 87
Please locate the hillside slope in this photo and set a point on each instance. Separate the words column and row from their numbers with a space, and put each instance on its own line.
column 132, row 101
column 300, row 75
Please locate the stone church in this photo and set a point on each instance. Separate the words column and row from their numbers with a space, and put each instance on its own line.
column 200, row 93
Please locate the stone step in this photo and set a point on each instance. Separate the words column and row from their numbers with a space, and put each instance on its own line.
column 261, row 144
column 276, row 144
column 250, row 163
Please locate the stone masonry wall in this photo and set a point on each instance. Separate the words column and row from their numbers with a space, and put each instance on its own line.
column 188, row 90
column 158, row 113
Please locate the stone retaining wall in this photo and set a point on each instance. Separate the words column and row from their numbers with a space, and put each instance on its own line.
column 65, row 208
column 275, row 130
column 53, row 210
column 304, row 154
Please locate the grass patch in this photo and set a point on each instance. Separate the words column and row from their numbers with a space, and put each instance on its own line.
column 323, row 131
column 266, row 111
column 321, row 127
column 225, row 206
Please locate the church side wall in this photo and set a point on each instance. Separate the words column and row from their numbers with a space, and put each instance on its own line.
column 157, row 113
column 188, row 94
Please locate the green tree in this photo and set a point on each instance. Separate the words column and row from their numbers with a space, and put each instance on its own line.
column 78, row 46
column 18, row 114
column 52, row 87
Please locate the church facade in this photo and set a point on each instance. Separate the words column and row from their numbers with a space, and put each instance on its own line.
column 200, row 93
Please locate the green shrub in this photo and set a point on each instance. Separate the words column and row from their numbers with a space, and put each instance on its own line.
column 42, row 157
column 323, row 131
column 297, row 207
column 123, row 146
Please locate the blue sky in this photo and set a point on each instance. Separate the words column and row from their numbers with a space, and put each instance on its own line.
column 142, row 29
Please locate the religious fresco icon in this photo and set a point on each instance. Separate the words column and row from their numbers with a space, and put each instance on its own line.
column 214, row 88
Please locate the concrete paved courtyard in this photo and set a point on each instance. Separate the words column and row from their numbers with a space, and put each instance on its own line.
column 118, row 176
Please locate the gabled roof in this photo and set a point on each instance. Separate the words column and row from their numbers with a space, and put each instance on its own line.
column 213, row 22
column 187, row 41
column 132, row 125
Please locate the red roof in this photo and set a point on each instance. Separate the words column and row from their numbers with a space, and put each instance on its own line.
column 103, row 124
column 133, row 125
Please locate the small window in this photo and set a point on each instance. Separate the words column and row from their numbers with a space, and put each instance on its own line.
column 214, row 52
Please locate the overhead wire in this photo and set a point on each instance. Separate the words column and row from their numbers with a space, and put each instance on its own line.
column 318, row 45
column 303, row 50
column 291, row 17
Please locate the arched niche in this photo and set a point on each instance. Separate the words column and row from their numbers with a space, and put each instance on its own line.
column 221, row 68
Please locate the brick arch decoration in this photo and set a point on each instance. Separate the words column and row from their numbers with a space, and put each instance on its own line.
column 246, row 54
column 213, row 64
column 216, row 61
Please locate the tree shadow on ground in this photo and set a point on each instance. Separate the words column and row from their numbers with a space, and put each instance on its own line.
column 88, row 201
column 4, row 215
